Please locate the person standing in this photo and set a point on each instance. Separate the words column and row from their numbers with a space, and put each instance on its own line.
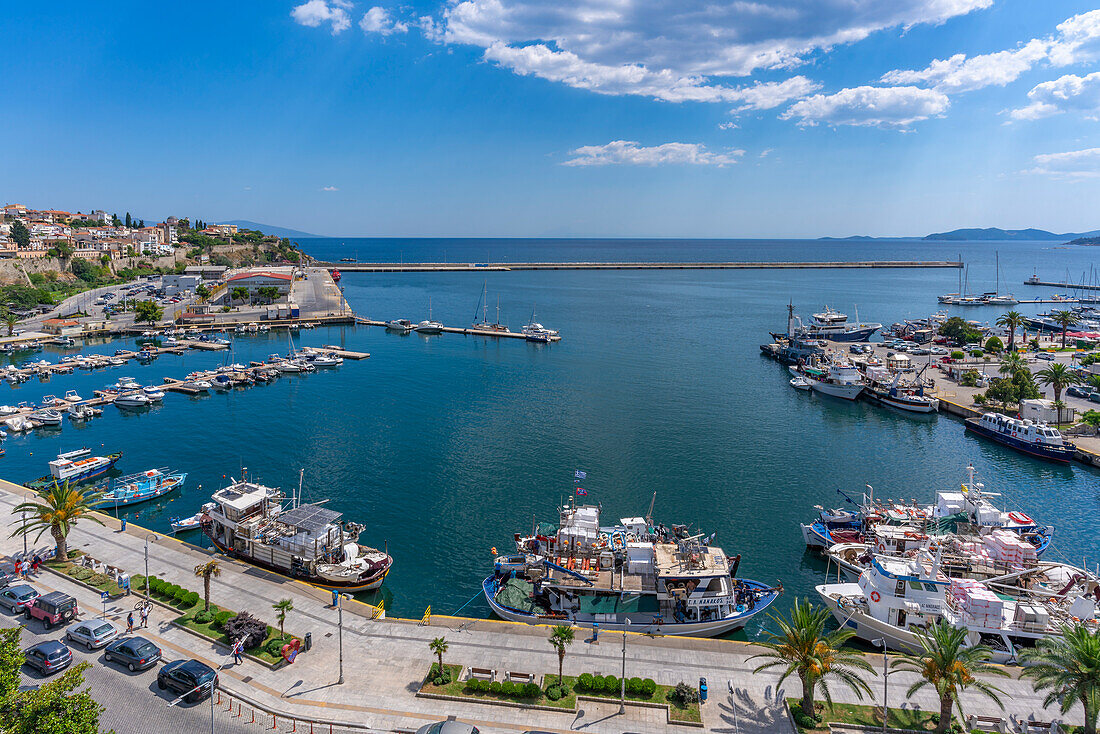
column 144, row 615
column 129, row 623
column 238, row 649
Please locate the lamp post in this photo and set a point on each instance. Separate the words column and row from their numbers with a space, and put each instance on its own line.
column 885, row 673
column 622, row 681
column 26, row 498
column 340, row 632
column 147, row 537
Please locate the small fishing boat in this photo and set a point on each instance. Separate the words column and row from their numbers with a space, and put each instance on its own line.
column 183, row 524
column 73, row 396
column 800, row 383
column 135, row 400
column 155, row 394
column 47, row 417
column 19, row 423
column 75, row 467
column 141, row 487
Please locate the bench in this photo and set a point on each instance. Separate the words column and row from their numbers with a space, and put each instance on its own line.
column 483, row 674
column 987, row 723
column 1039, row 727
column 514, row 677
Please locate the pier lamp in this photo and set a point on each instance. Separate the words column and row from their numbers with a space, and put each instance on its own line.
column 26, row 498
column 885, row 673
column 338, row 599
column 148, row 537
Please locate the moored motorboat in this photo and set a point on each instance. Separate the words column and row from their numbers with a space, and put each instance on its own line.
column 1035, row 439
column 800, row 383
column 403, row 326
column 134, row 400
column 141, row 487
column 47, row 417
column 75, row 467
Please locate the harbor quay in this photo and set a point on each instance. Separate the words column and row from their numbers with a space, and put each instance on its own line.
column 384, row 661
column 386, row 267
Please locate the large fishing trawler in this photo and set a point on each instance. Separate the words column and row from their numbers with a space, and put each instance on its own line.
column 629, row 576
column 304, row 540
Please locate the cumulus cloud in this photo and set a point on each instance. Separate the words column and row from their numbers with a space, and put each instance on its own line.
column 1071, row 164
column 314, row 13
column 378, row 20
column 629, row 152
column 961, row 74
column 889, row 107
column 1078, row 40
column 1067, row 93
column 329, row 188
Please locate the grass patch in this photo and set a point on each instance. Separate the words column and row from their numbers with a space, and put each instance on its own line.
column 211, row 631
column 458, row 688
column 850, row 713
column 87, row 576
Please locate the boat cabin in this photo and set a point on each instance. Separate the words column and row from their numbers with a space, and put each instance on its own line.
column 904, row 591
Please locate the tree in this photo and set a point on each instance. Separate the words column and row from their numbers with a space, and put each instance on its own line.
column 561, row 636
column 1092, row 418
column 957, row 329
column 58, row 510
column 267, row 292
column 115, row 221
column 11, row 321
column 1065, row 319
column 803, row 648
column 239, row 293
column 994, row 345
column 148, row 311
column 202, row 292
column 141, row 224
column 439, row 646
column 1058, row 377
column 1012, row 320
column 1011, row 364
column 281, row 607
column 1069, row 668
column 19, row 234
column 129, row 222
column 210, row 569
column 1059, row 406
column 946, row 664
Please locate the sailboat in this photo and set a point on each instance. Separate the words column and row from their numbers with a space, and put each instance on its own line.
column 536, row 332
column 428, row 326
column 996, row 298
column 483, row 306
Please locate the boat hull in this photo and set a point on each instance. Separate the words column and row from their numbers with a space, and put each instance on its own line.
column 844, row 392
column 854, row 335
column 1061, row 454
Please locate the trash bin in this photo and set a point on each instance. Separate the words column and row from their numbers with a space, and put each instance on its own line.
column 702, row 690
column 307, row 641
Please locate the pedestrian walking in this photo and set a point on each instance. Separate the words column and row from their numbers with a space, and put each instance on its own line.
column 238, row 648
column 144, row 615
column 129, row 623
column 35, row 563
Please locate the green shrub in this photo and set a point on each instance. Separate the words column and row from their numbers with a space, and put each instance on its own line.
column 275, row 648
column 584, row 682
column 169, row 590
column 495, row 687
column 683, row 695
column 635, row 687
column 203, row 617
column 555, row 692
column 180, row 594
column 958, row 354
column 597, row 683
column 531, row 690
column 156, row 585
column 611, row 685
column 440, row 677
column 192, row 598
column 222, row 617
column 472, row 685
column 976, row 353
column 995, row 345
column 804, row 721
column 74, row 571
column 649, row 687
column 508, row 688
column 83, row 574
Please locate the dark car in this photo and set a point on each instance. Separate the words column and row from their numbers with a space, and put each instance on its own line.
column 1077, row 391
column 1094, row 397
column 6, row 579
column 136, row 653
column 448, row 727
column 53, row 608
column 16, row 597
column 185, row 676
column 48, row 657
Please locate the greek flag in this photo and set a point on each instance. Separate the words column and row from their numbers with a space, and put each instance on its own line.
column 578, row 474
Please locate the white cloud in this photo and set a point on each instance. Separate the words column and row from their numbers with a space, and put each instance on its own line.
column 628, row 152
column 1078, row 40
column 329, row 188
column 1072, row 164
column 378, row 20
column 728, row 126
column 961, row 74
column 766, row 152
column 314, row 13
column 890, row 107
column 1070, row 92
column 768, row 95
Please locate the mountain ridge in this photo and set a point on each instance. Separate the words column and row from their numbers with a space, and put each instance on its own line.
column 270, row 229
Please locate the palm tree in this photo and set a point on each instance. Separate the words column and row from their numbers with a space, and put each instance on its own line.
column 1065, row 319
column 1058, row 377
column 208, row 570
column 803, row 648
column 561, row 636
column 439, row 646
column 281, row 607
column 1012, row 320
column 11, row 321
column 57, row 511
column 1069, row 667
column 948, row 666
column 1011, row 364
column 1059, row 406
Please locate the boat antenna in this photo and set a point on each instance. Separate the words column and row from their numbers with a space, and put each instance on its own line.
column 301, row 476
column 649, row 515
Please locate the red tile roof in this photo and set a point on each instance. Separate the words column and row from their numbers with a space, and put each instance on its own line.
column 255, row 274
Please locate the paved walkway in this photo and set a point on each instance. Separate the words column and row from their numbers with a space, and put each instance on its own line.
column 385, row 660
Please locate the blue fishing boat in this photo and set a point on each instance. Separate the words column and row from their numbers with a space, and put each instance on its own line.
column 141, row 487
column 75, row 467
column 1036, row 439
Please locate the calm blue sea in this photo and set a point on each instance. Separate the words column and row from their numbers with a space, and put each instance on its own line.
column 443, row 446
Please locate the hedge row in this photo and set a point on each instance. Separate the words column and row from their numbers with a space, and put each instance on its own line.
column 179, row 595
column 610, row 685
column 504, row 688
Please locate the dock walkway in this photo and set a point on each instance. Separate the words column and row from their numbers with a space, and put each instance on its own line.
column 386, row 660
column 379, row 267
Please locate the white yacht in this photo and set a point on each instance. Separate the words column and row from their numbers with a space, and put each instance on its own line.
column 155, row 394
column 73, row 396
column 428, row 326
column 136, row 400
column 403, row 326
column 837, row 378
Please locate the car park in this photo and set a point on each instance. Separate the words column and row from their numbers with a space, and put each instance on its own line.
column 48, row 657
column 15, row 598
column 1077, row 391
column 53, row 608
column 92, row 634
column 191, row 679
column 136, row 653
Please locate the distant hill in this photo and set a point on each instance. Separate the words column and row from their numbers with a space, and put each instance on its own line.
column 994, row 233
column 1085, row 241
column 269, row 229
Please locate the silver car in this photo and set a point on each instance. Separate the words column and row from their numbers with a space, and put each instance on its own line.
column 17, row 597
column 92, row 634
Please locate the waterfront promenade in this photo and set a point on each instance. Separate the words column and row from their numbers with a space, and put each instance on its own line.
column 389, row 267
column 385, row 660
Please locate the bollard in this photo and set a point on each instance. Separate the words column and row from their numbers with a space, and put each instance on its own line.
column 253, row 717
column 238, row 711
column 273, row 724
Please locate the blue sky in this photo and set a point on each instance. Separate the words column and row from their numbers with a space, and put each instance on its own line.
column 783, row 118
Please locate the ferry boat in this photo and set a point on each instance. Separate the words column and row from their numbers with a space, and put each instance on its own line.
column 304, row 541
column 629, row 576
column 75, row 467
column 836, row 378
column 1035, row 439
column 897, row 597
column 833, row 326
column 141, row 487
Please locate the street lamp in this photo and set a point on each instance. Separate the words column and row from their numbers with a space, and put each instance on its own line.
column 339, row 598
column 885, row 673
column 622, row 681
column 154, row 538
column 26, row 498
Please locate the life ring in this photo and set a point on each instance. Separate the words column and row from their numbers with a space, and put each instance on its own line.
column 881, row 547
column 1020, row 518
column 875, row 596
column 493, row 550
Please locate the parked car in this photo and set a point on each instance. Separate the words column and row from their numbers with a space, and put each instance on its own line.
column 48, row 657
column 15, row 598
column 53, row 608
column 92, row 634
column 919, row 351
column 1077, row 391
column 1047, row 356
column 185, row 676
column 7, row 579
column 448, row 727
column 136, row 653
column 937, row 350
column 1094, row 397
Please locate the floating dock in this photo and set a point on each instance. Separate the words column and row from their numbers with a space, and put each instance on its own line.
column 459, row 330
column 482, row 267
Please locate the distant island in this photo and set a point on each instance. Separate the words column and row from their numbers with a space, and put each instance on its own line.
column 270, row 229
column 990, row 234
column 1085, row 241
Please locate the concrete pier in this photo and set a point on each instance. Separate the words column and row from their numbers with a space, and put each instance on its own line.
column 482, row 267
